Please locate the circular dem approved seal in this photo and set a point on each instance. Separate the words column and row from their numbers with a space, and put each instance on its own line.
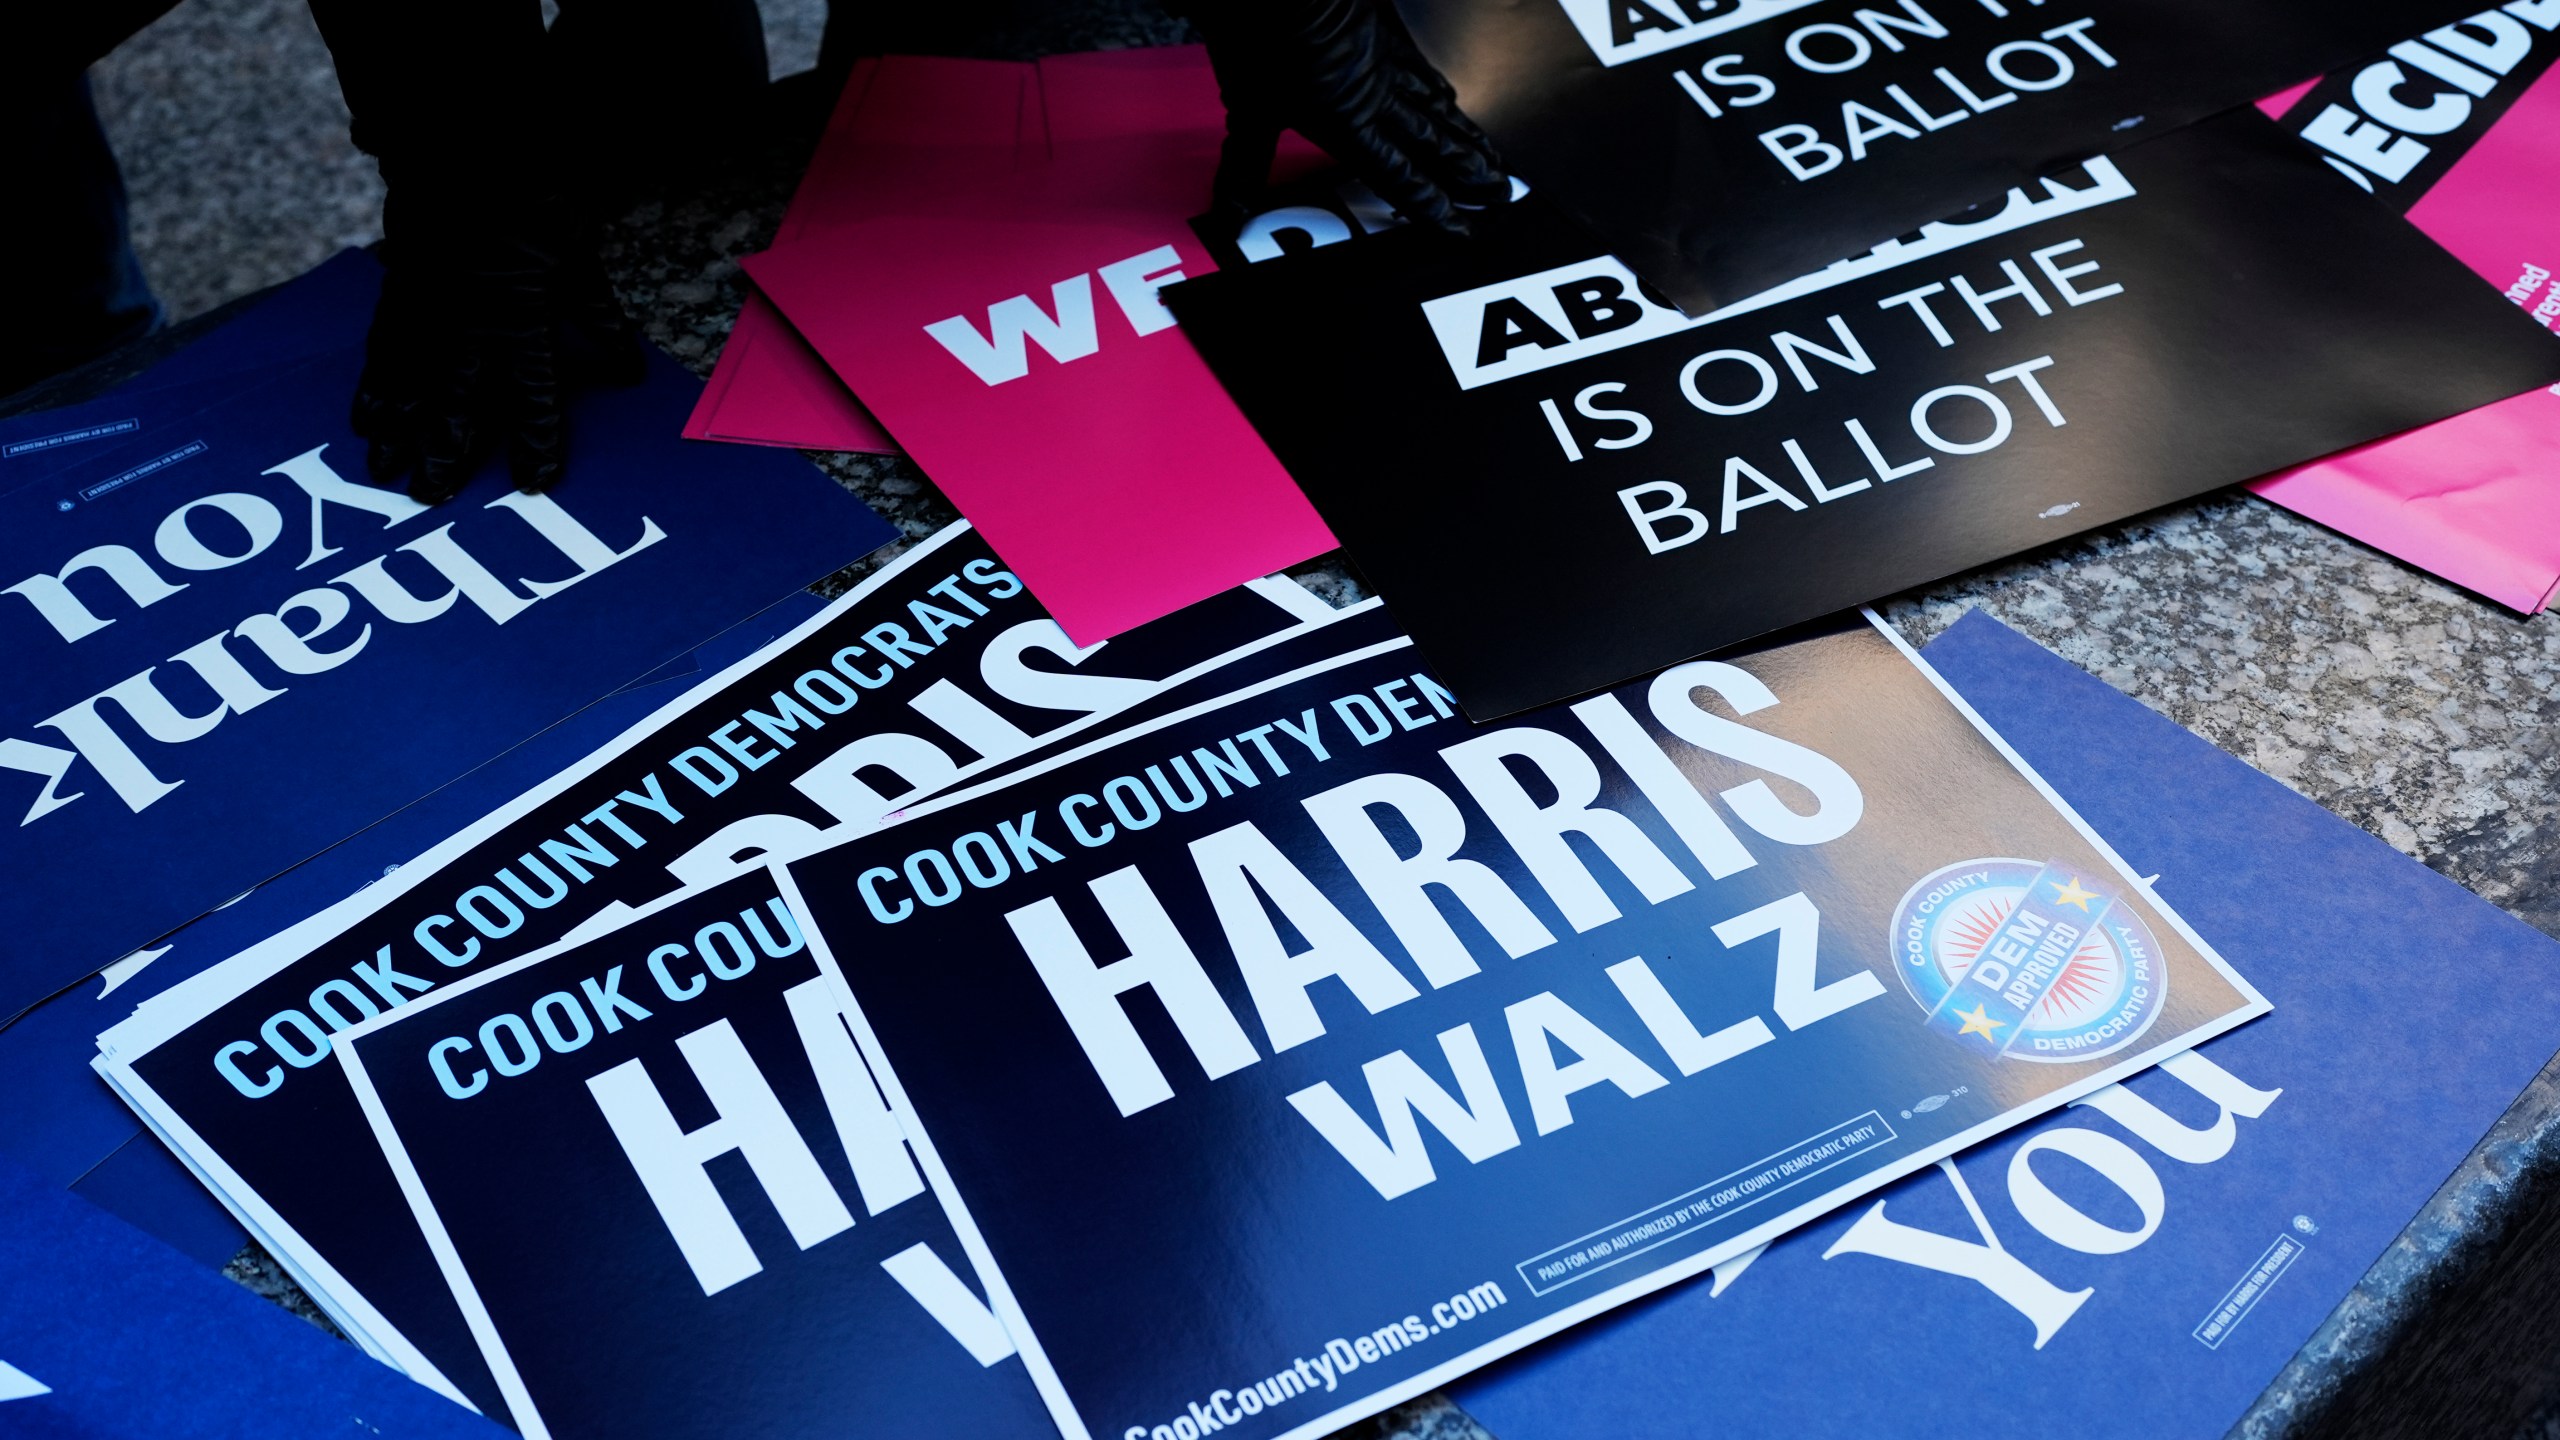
column 2107, row 994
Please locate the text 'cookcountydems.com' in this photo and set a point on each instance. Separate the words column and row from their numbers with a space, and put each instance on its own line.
column 1337, row 1358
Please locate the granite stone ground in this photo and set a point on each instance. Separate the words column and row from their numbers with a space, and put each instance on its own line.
column 2423, row 714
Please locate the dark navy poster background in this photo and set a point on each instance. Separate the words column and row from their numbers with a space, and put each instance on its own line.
column 229, row 652
column 1724, row 146
column 2159, row 331
column 1186, row 1188
column 590, row 1301
column 231, row 1062
column 2315, row 1136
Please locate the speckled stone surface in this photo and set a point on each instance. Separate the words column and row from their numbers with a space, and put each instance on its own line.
column 2428, row 717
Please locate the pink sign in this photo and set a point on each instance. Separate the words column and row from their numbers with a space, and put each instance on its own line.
column 1010, row 336
column 2475, row 499
column 770, row 388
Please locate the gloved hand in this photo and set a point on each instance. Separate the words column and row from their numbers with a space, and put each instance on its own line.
column 490, row 313
column 1346, row 75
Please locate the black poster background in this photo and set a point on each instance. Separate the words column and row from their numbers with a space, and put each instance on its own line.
column 305, row 1151
column 1701, row 207
column 2269, row 314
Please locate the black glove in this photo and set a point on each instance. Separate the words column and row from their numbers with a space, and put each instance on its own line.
column 490, row 312
column 1346, row 75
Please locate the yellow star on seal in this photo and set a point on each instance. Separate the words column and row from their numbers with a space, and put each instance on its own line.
column 1979, row 1022
column 2074, row 896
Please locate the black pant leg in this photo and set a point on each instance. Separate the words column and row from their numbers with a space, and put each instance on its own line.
column 78, row 291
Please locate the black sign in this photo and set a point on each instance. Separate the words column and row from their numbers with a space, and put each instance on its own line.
column 2397, row 124
column 2209, row 307
column 1724, row 146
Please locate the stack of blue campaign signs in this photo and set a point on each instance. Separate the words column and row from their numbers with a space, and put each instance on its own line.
column 107, row 1335
column 894, row 1020
column 939, row 667
column 230, row 652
